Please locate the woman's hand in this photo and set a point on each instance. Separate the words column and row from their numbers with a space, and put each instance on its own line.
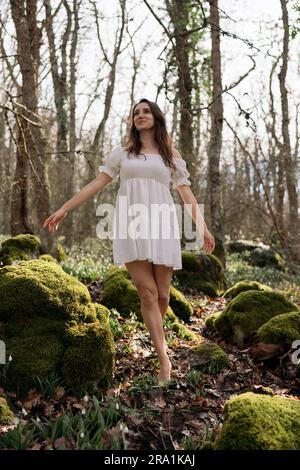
column 209, row 241
column 54, row 220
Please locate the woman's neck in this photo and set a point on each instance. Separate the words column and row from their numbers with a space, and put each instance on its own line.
column 148, row 142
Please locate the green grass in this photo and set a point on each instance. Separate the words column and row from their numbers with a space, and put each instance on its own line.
column 88, row 430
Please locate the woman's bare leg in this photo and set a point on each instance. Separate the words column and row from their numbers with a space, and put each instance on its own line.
column 141, row 273
column 163, row 276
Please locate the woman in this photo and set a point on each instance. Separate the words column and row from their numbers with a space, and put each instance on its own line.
column 149, row 260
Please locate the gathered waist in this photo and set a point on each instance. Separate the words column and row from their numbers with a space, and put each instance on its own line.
column 123, row 181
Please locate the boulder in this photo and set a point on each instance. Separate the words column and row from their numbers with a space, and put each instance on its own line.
column 25, row 247
column 260, row 422
column 247, row 312
column 201, row 272
column 282, row 329
column 243, row 286
column 49, row 324
column 209, row 357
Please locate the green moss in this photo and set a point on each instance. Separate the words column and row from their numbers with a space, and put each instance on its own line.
column 6, row 415
column 32, row 356
column 247, row 312
column 47, row 258
column 265, row 258
column 60, row 252
column 243, row 286
column 260, row 422
column 39, row 286
column 20, row 247
column 89, row 355
column 282, row 329
column 120, row 293
column 181, row 330
column 210, row 321
column 49, row 325
column 202, row 272
column 180, row 305
column 210, row 357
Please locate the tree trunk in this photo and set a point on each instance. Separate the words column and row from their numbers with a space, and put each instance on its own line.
column 31, row 142
column 178, row 11
column 215, row 144
column 289, row 165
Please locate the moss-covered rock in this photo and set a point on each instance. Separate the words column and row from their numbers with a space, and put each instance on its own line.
column 260, row 422
column 238, row 246
column 24, row 247
column 248, row 311
column 282, row 329
column 243, row 286
column 180, row 305
column 88, row 357
column 209, row 357
column 210, row 320
column 202, row 272
column 48, row 258
column 120, row 293
column 181, row 331
column 49, row 323
column 265, row 258
column 20, row 247
column 60, row 254
column 6, row 414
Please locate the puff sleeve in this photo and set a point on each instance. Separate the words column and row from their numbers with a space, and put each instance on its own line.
column 112, row 163
column 181, row 174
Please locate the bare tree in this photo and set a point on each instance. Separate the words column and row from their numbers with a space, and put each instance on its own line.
column 96, row 146
column 31, row 142
column 215, row 143
column 289, row 163
column 63, row 62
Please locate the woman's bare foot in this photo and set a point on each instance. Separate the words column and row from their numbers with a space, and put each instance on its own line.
column 165, row 370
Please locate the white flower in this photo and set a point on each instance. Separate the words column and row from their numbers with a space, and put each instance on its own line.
column 117, row 406
column 86, row 398
column 10, row 358
column 83, row 411
column 82, row 435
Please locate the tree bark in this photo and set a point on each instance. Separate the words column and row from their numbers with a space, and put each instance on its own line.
column 215, row 143
column 31, row 143
column 289, row 164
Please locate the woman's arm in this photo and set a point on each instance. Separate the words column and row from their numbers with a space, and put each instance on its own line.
column 188, row 198
column 97, row 184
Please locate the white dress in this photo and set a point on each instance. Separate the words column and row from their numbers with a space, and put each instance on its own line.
column 144, row 188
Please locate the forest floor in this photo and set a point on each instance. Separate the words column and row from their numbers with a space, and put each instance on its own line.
column 189, row 410
column 135, row 412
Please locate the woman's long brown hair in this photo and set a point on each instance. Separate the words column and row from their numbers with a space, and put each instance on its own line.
column 161, row 135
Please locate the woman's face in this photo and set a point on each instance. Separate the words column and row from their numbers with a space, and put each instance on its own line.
column 143, row 117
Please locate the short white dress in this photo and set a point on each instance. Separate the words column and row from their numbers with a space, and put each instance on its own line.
column 145, row 225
